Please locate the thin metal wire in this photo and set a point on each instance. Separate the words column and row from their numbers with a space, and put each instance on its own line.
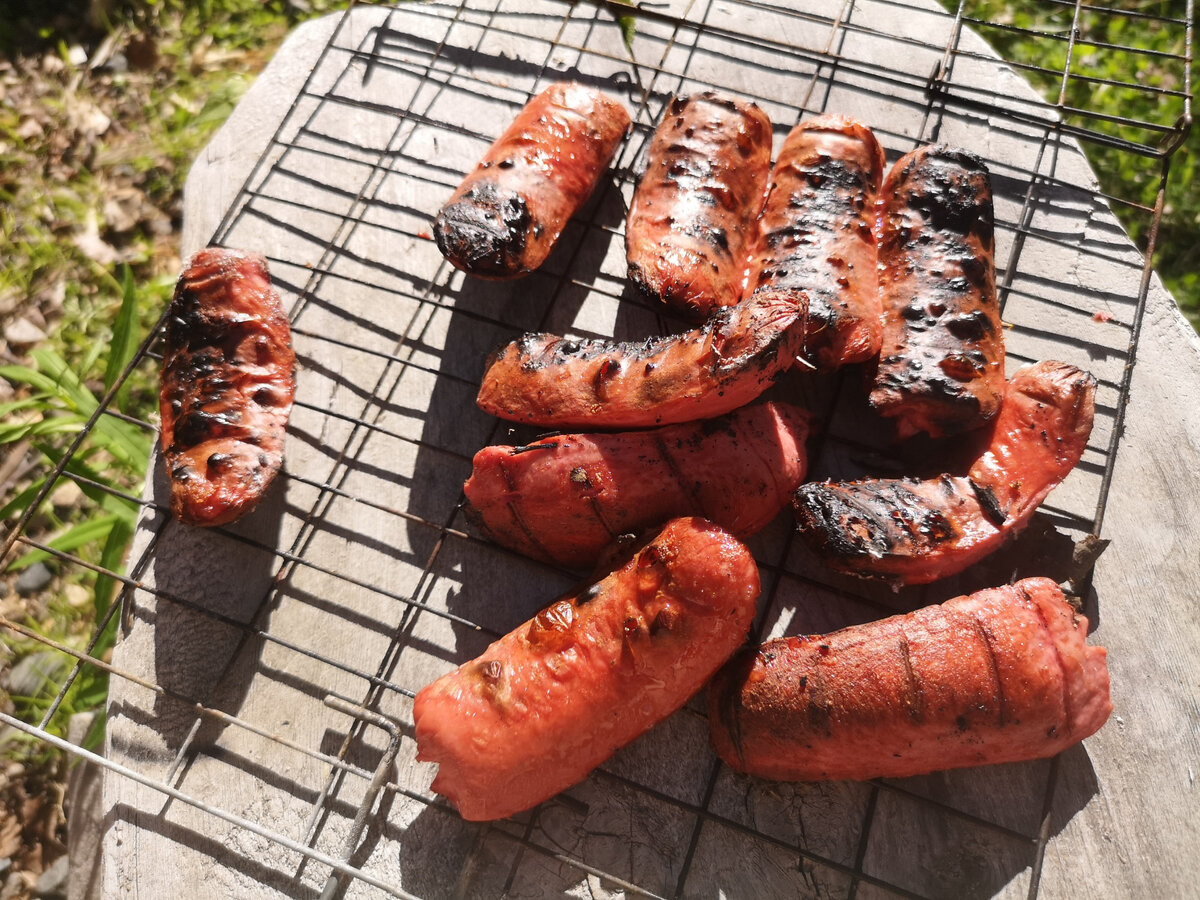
column 441, row 67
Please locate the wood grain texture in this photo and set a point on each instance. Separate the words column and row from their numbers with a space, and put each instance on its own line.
column 337, row 587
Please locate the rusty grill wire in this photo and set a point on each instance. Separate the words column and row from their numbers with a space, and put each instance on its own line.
column 443, row 56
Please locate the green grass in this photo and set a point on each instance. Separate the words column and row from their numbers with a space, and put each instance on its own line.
column 101, row 287
column 1120, row 55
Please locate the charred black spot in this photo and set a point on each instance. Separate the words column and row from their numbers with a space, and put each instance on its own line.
column 485, row 231
column 588, row 595
column 710, row 234
column 989, row 503
column 972, row 326
column 197, row 426
column 220, row 462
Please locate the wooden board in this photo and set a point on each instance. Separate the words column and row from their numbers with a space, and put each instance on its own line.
column 359, row 579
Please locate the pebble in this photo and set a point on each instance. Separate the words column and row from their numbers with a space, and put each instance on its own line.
column 77, row 595
column 52, row 883
column 34, row 673
column 66, row 496
column 33, row 578
column 23, row 333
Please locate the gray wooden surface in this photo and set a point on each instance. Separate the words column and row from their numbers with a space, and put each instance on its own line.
column 360, row 565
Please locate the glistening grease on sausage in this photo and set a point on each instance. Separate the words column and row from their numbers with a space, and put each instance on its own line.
column 506, row 215
column 941, row 363
column 228, row 380
column 564, row 499
column 817, row 236
column 1002, row 675
column 553, row 699
column 544, row 379
column 691, row 227
column 912, row 532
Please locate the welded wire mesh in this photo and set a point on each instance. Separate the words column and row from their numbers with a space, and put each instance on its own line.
column 261, row 695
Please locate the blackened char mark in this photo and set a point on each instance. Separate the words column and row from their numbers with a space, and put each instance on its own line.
column 869, row 518
column 486, row 229
column 954, row 192
column 537, row 351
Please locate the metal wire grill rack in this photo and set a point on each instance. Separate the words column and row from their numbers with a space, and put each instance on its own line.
column 260, row 699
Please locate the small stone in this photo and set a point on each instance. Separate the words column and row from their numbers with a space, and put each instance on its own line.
column 66, row 496
column 33, row 579
column 52, row 883
column 33, row 674
column 23, row 333
column 77, row 596
column 118, row 63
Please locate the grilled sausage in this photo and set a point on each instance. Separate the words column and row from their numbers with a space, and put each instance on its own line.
column 1002, row 675
column 941, row 364
column 690, row 230
column 733, row 357
column 228, row 379
column 817, row 236
column 550, row 701
column 505, row 217
column 914, row 532
column 564, row 499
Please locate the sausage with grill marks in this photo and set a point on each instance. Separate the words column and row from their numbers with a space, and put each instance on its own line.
column 912, row 532
column 817, row 236
column 547, row 380
column 507, row 214
column 564, row 499
column 1001, row 675
column 228, row 380
column 941, row 363
column 691, row 230
column 553, row 699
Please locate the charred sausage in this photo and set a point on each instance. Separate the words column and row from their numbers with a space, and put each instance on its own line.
column 733, row 357
column 228, row 380
column 912, row 532
column 691, row 223
column 941, row 364
column 564, row 499
column 1002, row 675
column 550, row 701
column 817, row 235
column 505, row 217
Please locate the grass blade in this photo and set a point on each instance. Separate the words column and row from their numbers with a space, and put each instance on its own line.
column 124, row 339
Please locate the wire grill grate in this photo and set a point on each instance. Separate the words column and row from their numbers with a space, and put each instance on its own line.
column 266, row 672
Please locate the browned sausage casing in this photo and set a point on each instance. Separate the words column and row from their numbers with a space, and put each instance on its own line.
column 912, row 532
column 1002, row 675
column 550, row 701
column 941, row 365
column 691, row 225
column 505, row 217
column 228, row 380
column 566, row 498
column 548, row 380
column 817, row 235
